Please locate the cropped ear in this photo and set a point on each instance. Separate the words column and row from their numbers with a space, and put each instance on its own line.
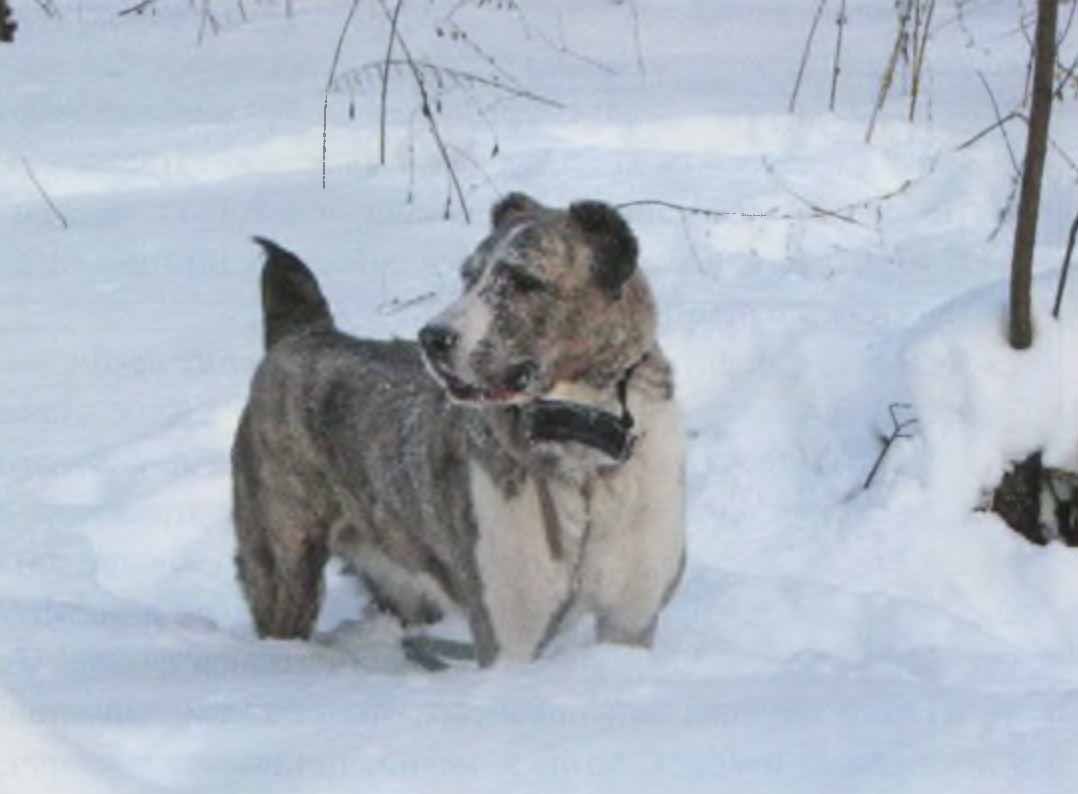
column 614, row 248
column 512, row 206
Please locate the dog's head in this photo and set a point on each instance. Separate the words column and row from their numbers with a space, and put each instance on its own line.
column 550, row 297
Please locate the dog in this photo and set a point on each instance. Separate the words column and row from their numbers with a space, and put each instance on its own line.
column 522, row 462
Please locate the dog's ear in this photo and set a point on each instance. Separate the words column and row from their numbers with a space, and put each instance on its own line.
column 512, row 206
column 614, row 248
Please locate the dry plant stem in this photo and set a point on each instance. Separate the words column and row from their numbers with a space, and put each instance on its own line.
column 889, row 72
column 1066, row 267
column 816, row 208
column 688, row 209
column 137, row 8
column 691, row 210
column 428, row 114
column 329, row 82
column 1025, row 235
column 896, row 433
column 40, row 189
column 840, row 22
column 805, row 55
column 1068, row 74
column 385, row 83
column 51, row 11
column 637, row 46
column 1014, row 114
column 1000, row 121
column 919, row 58
column 460, row 76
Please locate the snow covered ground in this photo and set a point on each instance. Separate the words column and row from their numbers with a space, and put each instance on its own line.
column 826, row 638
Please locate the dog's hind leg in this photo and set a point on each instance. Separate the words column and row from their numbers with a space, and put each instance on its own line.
column 281, row 550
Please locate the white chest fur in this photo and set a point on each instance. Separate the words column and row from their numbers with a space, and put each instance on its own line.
column 622, row 543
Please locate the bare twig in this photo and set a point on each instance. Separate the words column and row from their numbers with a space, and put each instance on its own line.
column 1067, row 26
column 817, row 212
column 889, row 72
column 137, row 8
column 396, row 305
column 805, row 54
column 1008, row 204
column 637, row 46
column 459, row 34
column 462, row 153
column 999, row 121
column 428, row 114
column 691, row 210
column 816, row 208
column 329, row 81
column 1068, row 73
column 559, row 46
column 898, row 431
column 44, row 194
column 207, row 19
column 1014, row 114
column 385, row 83
column 919, row 58
column 1066, row 267
column 840, row 22
column 49, row 8
column 442, row 73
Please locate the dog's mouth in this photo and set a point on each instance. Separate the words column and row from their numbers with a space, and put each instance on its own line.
column 514, row 388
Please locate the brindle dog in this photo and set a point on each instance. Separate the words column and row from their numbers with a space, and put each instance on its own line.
column 483, row 488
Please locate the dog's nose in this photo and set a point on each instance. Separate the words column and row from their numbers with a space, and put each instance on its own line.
column 438, row 340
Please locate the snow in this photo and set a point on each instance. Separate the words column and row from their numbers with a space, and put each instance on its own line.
column 826, row 637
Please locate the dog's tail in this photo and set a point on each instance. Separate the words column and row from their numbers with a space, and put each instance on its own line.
column 292, row 301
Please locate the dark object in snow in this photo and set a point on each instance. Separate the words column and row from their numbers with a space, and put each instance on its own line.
column 1017, row 499
column 1038, row 502
column 7, row 24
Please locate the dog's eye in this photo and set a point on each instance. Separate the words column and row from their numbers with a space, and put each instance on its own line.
column 523, row 281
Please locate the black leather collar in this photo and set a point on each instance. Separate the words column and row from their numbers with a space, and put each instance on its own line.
column 563, row 420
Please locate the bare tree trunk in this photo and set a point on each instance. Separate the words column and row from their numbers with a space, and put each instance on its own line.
column 1025, row 233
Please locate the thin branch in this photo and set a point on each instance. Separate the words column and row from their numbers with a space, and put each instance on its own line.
column 355, row 76
column 840, row 21
column 919, row 59
column 816, row 208
column 1068, row 73
column 459, row 34
column 397, row 305
column 999, row 120
column 560, row 47
column 137, row 8
column 1014, row 114
column 40, row 189
column 428, row 114
column 889, row 72
column 385, row 84
column 340, row 45
column 818, row 212
column 998, row 123
column 637, row 46
column 49, row 8
column 329, row 81
column 1066, row 267
column 898, row 431
column 805, row 55
column 710, row 213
